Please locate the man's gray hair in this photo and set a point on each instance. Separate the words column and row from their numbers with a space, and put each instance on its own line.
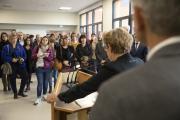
column 163, row 16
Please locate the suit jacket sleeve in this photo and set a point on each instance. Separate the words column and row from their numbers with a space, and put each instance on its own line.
column 88, row 87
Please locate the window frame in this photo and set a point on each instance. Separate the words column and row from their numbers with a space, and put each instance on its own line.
column 93, row 21
column 120, row 19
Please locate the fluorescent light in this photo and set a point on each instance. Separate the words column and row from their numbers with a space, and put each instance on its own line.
column 65, row 8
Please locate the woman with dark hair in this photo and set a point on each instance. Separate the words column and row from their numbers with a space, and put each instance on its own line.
column 65, row 54
column 101, row 55
column 83, row 52
column 5, row 78
column 93, row 43
column 27, row 47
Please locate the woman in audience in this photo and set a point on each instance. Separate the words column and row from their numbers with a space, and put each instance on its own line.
column 74, row 41
column 117, row 44
column 5, row 78
column 100, row 52
column 93, row 43
column 27, row 47
column 65, row 54
column 43, row 55
column 83, row 52
column 15, row 55
column 54, row 72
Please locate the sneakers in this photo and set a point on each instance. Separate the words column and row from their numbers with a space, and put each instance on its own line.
column 38, row 101
column 44, row 97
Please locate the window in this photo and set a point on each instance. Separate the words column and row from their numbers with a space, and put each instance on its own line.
column 90, row 18
column 83, row 19
column 124, row 22
column 117, row 9
column 116, row 24
column 91, row 22
column 99, row 27
column 122, row 14
column 121, row 8
column 89, row 32
column 98, row 15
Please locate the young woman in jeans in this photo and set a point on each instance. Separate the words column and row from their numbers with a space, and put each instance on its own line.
column 44, row 55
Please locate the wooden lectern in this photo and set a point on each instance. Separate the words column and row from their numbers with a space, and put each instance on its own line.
column 60, row 110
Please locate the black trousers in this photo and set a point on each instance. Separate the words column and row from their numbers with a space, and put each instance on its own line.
column 23, row 75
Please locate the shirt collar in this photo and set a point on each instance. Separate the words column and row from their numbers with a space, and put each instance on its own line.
column 165, row 43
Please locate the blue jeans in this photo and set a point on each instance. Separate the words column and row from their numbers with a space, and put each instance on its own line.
column 43, row 76
column 54, row 74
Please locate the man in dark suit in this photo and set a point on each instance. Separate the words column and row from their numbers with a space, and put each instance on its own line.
column 139, row 49
column 152, row 91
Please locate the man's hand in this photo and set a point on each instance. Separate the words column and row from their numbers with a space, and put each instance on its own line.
column 51, row 98
column 14, row 60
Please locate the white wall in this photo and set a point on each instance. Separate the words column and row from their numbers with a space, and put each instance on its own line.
column 91, row 7
column 34, row 22
column 35, row 29
column 34, row 17
column 107, row 15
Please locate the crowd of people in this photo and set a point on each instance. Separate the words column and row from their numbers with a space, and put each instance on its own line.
column 21, row 55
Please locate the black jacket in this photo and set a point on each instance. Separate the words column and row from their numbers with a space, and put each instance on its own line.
column 2, row 44
column 29, row 59
column 100, row 52
column 141, row 52
column 83, row 51
column 122, row 64
column 65, row 54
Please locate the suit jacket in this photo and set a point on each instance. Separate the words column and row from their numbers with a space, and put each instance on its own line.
column 140, row 52
column 122, row 64
column 149, row 92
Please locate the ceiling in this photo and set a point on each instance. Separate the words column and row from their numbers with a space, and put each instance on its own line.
column 45, row 5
